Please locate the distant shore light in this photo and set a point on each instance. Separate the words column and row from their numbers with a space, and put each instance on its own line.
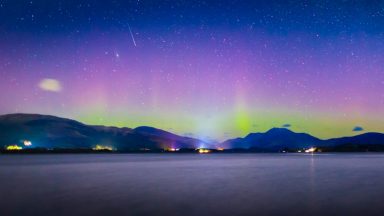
column 172, row 149
column 102, row 148
column 310, row 150
column 204, row 151
column 14, row 148
column 27, row 143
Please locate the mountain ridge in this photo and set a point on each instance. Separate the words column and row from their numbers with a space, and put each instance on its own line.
column 49, row 131
column 280, row 139
column 55, row 132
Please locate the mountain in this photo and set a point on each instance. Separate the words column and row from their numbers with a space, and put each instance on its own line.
column 54, row 132
column 278, row 139
column 274, row 139
column 162, row 136
column 362, row 139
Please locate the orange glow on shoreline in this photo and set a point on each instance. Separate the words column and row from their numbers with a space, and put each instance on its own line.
column 102, row 148
column 204, row 151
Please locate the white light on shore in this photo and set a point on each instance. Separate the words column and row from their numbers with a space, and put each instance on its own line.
column 27, row 143
column 310, row 150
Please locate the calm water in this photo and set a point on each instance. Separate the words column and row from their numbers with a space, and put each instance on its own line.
column 189, row 184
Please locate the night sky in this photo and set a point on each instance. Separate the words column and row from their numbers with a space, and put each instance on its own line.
column 208, row 69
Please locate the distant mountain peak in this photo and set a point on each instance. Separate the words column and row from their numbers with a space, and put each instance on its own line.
column 147, row 129
column 274, row 139
column 153, row 131
column 279, row 130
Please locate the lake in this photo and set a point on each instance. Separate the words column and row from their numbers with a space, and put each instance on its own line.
column 192, row 184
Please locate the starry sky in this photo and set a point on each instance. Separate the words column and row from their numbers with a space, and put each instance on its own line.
column 208, row 69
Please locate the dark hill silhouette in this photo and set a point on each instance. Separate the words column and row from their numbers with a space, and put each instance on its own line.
column 161, row 136
column 54, row 132
column 278, row 139
column 274, row 139
column 362, row 139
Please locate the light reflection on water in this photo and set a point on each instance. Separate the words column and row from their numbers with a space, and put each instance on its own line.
column 191, row 184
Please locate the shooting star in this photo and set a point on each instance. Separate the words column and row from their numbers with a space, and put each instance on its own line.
column 133, row 39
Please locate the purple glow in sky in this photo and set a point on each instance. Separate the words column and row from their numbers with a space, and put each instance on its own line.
column 246, row 69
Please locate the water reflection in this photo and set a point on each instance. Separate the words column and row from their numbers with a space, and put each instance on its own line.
column 203, row 184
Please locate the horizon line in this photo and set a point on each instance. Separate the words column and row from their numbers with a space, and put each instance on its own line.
column 195, row 137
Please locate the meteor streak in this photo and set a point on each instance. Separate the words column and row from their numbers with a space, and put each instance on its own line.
column 133, row 39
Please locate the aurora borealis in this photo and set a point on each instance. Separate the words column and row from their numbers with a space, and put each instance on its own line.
column 207, row 69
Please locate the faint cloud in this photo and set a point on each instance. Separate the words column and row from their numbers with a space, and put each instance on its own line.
column 357, row 129
column 286, row 125
column 50, row 85
column 189, row 134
